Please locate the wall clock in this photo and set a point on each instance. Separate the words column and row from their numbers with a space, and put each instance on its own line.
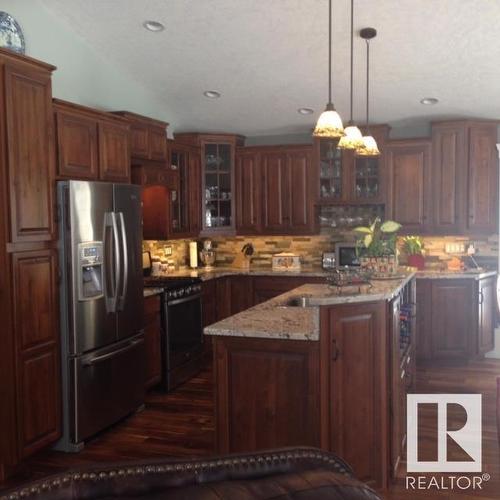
column 11, row 34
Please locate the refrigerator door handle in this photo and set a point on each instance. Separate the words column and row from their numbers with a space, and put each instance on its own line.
column 124, row 278
column 112, row 265
column 109, row 355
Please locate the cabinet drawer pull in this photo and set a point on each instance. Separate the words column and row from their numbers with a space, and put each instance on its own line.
column 336, row 352
column 408, row 359
column 403, row 373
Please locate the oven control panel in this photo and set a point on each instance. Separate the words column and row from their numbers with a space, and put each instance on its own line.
column 185, row 291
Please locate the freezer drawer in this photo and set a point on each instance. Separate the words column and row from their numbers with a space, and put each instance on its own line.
column 108, row 385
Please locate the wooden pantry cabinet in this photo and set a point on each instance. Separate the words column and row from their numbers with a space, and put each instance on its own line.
column 29, row 337
column 91, row 144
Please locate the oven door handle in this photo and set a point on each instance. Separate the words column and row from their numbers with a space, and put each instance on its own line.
column 183, row 300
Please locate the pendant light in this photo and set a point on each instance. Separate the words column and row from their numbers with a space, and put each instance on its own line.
column 369, row 146
column 329, row 123
column 353, row 138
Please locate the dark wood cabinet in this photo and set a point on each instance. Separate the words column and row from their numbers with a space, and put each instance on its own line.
column 358, row 392
column 78, row 155
column 152, row 339
column 446, row 331
column 29, row 157
column 209, row 302
column 465, row 177
column 29, row 339
column 91, row 144
column 37, row 347
column 274, row 189
column 248, row 192
column 186, row 194
column 241, row 293
column 148, row 137
column 114, row 152
column 285, row 375
column 409, row 187
column 482, row 193
column 268, row 287
column 486, row 314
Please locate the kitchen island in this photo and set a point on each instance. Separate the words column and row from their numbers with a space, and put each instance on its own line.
column 333, row 374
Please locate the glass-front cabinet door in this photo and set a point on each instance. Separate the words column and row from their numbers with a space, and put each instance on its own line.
column 367, row 185
column 218, row 209
column 331, row 171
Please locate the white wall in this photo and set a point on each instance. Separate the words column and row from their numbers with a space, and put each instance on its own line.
column 83, row 76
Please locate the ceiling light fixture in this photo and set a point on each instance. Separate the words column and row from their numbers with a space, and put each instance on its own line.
column 369, row 146
column 429, row 101
column 211, row 94
column 305, row 111
column 353, row 138
column 329, row 123
column 153, row 26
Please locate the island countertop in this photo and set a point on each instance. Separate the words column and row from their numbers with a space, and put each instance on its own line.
column 274, row 319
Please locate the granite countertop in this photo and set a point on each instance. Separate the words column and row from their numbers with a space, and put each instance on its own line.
column 274, row 319
column 148, row 292
column 219, row 272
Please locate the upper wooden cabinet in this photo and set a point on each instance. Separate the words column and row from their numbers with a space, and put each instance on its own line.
column 147, row 137
column 217, row 164
column 344, row 178
column 409, row 186
column 275, row 190
column 28, row 156
column 184, row 165
column 91, row 144
column 464, row 177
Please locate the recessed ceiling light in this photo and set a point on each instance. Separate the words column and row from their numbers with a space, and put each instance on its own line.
column 429, row 101
column 211, row 94
column 305, row 111
column 154, row 26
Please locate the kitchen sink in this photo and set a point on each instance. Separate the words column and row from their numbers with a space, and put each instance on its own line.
column 297, row 301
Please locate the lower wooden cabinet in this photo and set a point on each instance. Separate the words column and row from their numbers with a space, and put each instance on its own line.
column 456, row 317
column 36, row 330
column 152, row 339
column 285, row 375
column 209, row 302
column 358, row 387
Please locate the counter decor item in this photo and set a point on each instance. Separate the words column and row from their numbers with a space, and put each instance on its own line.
column 243, row 258
column 377, row 248
column 11, row 34
column 348, row 281
column 207, row 255
column 413, row 247
column 286, row 261
column 193, row 254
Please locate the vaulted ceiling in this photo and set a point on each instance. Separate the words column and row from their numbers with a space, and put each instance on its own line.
column 269, row 57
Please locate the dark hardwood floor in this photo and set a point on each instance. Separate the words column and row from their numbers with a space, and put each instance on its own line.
column 182, row 424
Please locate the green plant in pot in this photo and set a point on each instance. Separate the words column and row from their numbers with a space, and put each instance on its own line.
column 377, row 246
column 413, row 247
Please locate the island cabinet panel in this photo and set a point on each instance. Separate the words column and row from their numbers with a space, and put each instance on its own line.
column 284, row 376
column 358, row 387
column 487, row 306
column 482, row 179
column 29, row 153
column 409, row 194
column 152, row 339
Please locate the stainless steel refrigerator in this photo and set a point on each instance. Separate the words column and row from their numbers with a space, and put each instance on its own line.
column 101, row 301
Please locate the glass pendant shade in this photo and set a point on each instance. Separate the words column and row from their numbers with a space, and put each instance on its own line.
column 368, row 148
column 329, row 124
column 353, row 138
